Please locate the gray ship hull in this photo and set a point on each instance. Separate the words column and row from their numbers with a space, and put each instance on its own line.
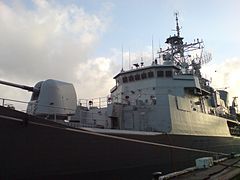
column 33, row 148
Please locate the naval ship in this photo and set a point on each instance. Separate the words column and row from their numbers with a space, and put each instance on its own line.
column 157, row 118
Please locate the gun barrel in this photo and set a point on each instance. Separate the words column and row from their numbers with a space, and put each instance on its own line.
column 28, row 88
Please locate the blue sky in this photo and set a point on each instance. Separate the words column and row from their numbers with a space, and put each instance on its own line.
column 133, row 23
column 79, row 40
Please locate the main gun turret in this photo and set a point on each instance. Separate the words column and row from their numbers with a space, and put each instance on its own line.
column 50, row 98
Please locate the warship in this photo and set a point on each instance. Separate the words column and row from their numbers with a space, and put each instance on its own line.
column 157, row 118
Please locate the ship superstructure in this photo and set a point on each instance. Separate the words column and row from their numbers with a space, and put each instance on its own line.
column 168, row 96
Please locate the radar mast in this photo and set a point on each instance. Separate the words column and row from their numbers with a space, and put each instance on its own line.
column 178, row 52
column 177, row 26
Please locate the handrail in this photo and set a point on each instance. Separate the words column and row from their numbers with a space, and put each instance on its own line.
column 6, row 99
column 94, row 102
column 30, row 103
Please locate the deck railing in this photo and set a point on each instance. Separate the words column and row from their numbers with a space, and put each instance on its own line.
column 14, row 104
column 22, row 106
column 94, row 102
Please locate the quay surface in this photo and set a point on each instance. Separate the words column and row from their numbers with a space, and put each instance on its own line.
column 227, row 169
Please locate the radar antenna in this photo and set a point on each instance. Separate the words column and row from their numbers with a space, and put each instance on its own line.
column 178, row 52
column 206, row 58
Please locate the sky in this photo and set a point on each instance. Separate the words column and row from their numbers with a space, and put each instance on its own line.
column 81, row 41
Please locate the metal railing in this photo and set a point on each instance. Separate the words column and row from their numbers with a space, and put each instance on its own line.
column 23, row 106
column 94, row 102
column 14, row 104
column 76, row 125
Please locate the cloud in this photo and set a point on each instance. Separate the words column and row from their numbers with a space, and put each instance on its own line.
column 95, row 77
column 49, row 40
column 225, row 76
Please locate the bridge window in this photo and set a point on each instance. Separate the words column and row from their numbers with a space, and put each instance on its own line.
column 150, row 74
column 130, row 78
column 143, row 75
column 160, row 73
column 125, row 79
column 168, row 73
column 137, row 77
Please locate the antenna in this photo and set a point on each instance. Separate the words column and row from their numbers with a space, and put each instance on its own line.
column 152, row 49
column 129, row 59
column 122, row 59
column 177, row 26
